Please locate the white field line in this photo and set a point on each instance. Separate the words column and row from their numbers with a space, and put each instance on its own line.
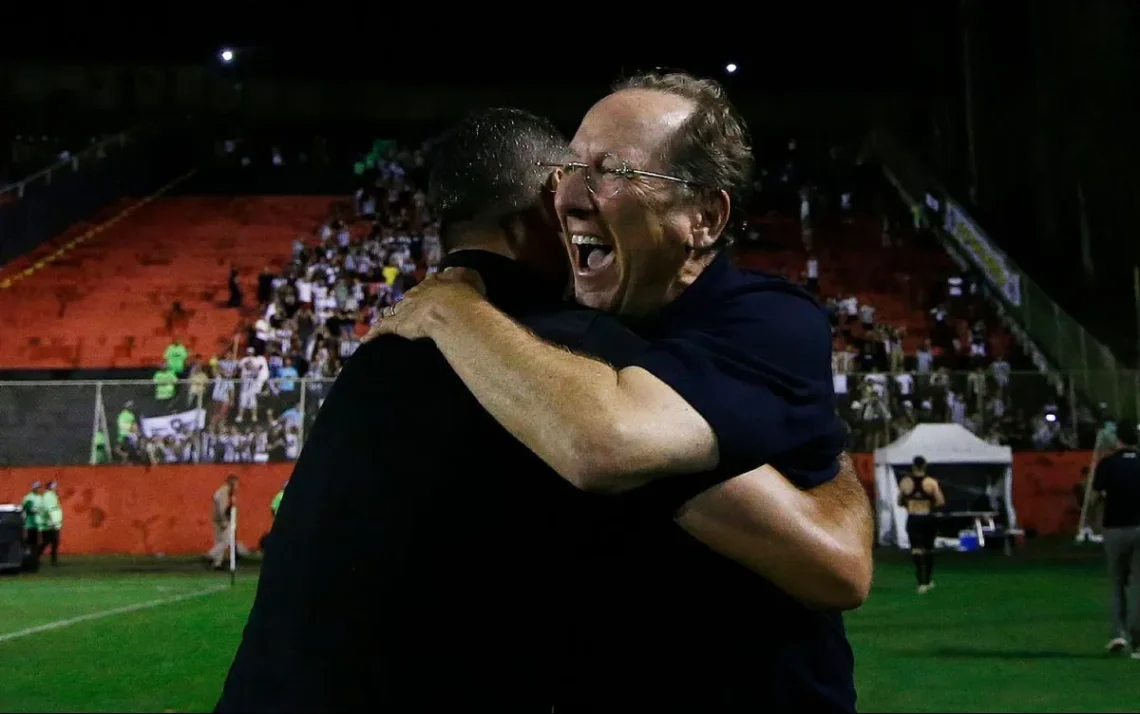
column 58, row 624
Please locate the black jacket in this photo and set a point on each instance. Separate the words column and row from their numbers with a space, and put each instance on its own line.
column 412, row 564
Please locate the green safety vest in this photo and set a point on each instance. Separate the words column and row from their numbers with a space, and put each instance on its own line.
column 126, row 420
column 176, row 356
column 165, row 382
column 33, row 510
column 52, row 515
column 99, row 445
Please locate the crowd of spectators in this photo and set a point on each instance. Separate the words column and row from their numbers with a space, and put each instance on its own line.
column 961, row 365
column 246, row 405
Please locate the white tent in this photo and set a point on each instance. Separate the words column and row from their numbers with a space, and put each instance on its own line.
column 938, row 444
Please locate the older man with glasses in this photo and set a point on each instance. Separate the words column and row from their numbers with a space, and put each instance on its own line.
column 737, row 375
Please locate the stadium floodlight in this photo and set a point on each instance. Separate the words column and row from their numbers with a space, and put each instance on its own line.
column 227, row 55
column 730, row 68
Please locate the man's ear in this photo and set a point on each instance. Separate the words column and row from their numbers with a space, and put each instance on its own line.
column 547, row 197
column 711, row 220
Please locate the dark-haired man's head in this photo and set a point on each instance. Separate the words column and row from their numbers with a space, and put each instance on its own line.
column 919, row 465
column 488, row 182
column 659, row 162
column 1126, row 433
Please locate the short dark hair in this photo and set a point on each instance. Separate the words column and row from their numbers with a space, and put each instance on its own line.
column 1126, row 432
column 486, row 166
column 713, row 147
column 919, row 462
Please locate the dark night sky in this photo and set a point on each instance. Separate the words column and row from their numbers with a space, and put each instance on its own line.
column 809, row 46
column 1051, row 81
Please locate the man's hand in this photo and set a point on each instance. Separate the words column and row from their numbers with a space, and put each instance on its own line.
column 422, row 308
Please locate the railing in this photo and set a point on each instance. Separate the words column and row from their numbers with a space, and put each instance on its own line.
column 44, row 177
column 1043, row 325
column 64, row 423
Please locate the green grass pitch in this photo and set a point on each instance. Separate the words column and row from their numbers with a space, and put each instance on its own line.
column 997, row 634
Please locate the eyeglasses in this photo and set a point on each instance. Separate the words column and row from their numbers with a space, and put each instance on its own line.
column 610, row 175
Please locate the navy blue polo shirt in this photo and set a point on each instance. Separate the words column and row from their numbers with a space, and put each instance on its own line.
column 751, row 353
column 1118, row 478
column 679, row 628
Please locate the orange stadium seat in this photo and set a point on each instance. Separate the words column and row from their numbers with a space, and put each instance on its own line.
column 852, row 261
column 106, row 302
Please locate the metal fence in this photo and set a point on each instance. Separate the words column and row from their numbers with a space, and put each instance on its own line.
column 135, row 422
column 223, row 421
column 95, row 152
column 1095, row 372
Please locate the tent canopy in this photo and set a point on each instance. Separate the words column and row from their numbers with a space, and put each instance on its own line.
column 942, row 444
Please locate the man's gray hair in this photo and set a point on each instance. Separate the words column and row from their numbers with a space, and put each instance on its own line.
column 713, row 147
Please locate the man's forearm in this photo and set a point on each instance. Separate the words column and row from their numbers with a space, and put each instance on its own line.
column 555, row 402
column 815, row 545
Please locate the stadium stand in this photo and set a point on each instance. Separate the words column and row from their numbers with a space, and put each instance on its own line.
column 111, row 302
column 915, row 340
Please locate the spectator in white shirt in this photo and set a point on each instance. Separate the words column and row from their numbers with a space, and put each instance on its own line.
column 867, row 315
column 849, row 306
column 904, row 384
column 996, row 408
column 805, row 218
column 263, row 333
column 813, row 274
column 343, row 237
column 877, row 382
column 924, row 358
column 976, row 387
column 956, row 407
column 348, row 344
column 842, row 361
column 304, row 286
column 1001, row 371
column 250, row 369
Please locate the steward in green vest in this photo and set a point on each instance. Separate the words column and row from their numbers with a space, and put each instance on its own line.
column 33, row 506
column 274, row 506
column 276, row 502
column 51, row 522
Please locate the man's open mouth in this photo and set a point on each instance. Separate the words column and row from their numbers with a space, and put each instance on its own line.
column 594, row 253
